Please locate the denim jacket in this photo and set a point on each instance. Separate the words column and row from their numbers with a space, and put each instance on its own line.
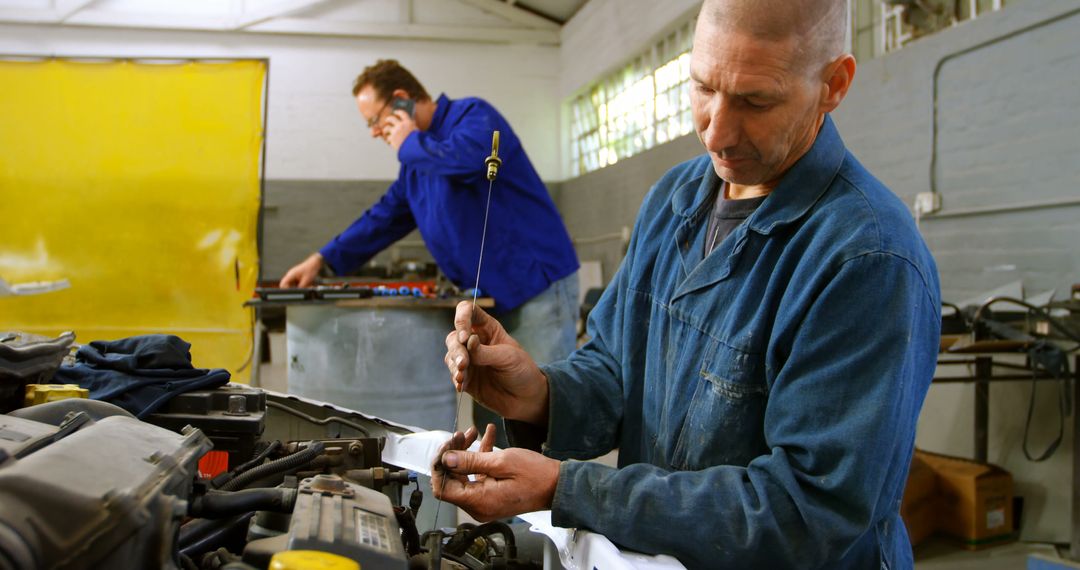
column 764, row 399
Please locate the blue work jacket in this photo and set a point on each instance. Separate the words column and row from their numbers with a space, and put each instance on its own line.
column 441, row 190
column 764, row 399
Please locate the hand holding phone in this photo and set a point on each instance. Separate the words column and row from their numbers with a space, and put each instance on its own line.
column 397, row 129
column 407, row 105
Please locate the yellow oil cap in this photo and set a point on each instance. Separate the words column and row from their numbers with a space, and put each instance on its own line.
column 42, row 393
column 311, row 560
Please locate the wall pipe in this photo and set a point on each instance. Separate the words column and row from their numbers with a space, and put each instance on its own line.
column 934, row 83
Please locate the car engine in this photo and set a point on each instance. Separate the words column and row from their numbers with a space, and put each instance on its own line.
column 234, row 478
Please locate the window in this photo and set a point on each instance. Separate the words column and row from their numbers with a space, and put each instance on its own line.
column 647, row 102
column 644, row 104
column 883, row 26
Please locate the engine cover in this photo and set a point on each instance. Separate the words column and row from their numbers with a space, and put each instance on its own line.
column 109, row 495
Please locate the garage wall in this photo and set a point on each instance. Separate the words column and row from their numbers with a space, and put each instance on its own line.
column 1008, row 118
column 599, row 207
column 605, row 34
column 1009, row 115
column 315, row 132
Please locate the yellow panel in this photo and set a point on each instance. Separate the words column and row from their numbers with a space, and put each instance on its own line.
column 139, row 183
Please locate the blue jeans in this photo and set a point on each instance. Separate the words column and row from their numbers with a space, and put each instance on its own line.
column 546, row 327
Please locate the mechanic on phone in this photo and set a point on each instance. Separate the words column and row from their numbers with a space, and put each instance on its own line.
column 530, row 267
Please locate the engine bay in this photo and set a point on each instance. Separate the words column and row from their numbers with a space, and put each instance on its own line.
column 234, row 477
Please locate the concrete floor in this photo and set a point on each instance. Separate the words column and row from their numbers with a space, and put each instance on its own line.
column 940, row 554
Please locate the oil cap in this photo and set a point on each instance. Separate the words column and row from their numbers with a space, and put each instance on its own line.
column 311, row 560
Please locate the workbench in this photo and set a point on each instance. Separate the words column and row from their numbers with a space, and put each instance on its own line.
column 985, row 369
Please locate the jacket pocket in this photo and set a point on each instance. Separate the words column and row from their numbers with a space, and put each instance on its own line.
column 724, row 423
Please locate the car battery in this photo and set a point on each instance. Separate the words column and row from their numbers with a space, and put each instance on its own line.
column 233, row 417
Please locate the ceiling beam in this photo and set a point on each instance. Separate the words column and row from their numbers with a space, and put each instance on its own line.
column 27, row 16
column 106, row 19
column 512, row 13
column 290, row 26
column 282, row 8
column 67, row 8
column 406, row 31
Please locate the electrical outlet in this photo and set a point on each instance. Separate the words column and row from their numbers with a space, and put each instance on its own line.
column 927, row 203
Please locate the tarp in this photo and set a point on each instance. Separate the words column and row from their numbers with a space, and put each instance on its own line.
column 139, row 183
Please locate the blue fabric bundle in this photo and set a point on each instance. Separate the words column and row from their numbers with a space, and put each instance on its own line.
column 139, row 373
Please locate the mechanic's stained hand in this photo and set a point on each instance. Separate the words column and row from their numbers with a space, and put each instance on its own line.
column 505, row 483
column 492, row 367
column 396, row 128
column 303, row 274
column 462, row 441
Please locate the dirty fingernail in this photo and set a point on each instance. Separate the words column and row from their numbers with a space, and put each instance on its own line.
column 450, row 460
column 462, row 336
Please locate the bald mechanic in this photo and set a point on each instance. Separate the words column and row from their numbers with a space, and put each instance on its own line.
column 761, row 357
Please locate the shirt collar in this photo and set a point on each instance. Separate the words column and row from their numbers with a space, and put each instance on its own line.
column 798, row 190
column 442, row 107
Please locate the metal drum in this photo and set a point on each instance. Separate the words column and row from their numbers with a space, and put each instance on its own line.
column 382, row 361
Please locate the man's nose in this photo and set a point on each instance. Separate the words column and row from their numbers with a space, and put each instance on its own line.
column 724, row 127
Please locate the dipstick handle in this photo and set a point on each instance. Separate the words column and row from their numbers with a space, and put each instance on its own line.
column 493, row 162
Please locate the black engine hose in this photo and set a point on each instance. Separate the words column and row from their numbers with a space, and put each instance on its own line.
column 206, row 535
column 259, row 458
column 221, row 504
column 231, row 474
column 410, row 536
column 282, row 465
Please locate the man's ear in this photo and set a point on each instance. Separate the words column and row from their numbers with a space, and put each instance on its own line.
column 838, row 77
column 400, row 94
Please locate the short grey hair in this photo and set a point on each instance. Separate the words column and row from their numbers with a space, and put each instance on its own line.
column 820, row 25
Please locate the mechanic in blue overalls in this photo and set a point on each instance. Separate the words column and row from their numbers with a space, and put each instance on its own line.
column 529, row 267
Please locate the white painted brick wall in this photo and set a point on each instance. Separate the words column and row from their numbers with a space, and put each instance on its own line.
column 315, row 131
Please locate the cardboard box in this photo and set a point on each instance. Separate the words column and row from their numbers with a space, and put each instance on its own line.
column 919, row 508
column 975, row 505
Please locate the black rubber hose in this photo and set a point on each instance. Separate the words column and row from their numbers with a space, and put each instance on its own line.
column 410, row 536
column 221, row 504
column 258, row 459
column 206, row 535
column 282, row 465
column 227, row 476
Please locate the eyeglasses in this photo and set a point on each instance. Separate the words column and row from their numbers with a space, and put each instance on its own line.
column 374, row 120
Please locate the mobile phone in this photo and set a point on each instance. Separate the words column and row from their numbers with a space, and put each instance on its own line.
column 407, row 105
